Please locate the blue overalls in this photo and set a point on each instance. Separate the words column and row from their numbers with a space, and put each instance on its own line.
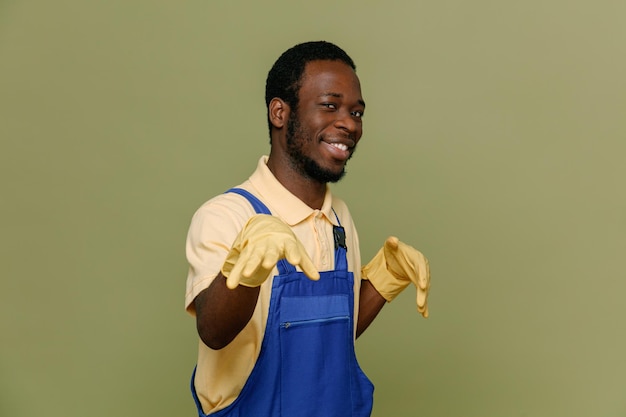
column 307, row 366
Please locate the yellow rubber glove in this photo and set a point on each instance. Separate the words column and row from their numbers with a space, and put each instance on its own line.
column 394, row 267
column 263, row 241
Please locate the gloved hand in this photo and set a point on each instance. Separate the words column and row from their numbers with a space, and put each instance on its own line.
column 263, row 241
column 395, row 266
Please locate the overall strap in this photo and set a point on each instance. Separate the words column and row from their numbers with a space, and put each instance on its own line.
column 284, row 267
column 258, row 206
column 339, row 234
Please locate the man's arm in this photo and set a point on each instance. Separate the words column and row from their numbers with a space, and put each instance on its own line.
column 370, row 304
column 221, row 313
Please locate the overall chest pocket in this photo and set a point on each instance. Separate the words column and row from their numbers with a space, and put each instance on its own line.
column 316, row 356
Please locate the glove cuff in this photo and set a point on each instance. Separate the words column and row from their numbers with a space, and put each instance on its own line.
column 387, row 284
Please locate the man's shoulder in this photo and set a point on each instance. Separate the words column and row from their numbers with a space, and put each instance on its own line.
column 227, row 204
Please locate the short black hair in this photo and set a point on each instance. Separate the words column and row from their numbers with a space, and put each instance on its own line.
column 284, row 79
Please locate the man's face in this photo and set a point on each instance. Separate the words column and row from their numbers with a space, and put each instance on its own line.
column 322, row 134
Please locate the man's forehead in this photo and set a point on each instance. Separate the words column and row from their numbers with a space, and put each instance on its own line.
column 326, row 65
column 327, row 75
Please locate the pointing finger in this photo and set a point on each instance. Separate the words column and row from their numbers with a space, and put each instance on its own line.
column 309, row 269
column 292, row 252
column 296, row 255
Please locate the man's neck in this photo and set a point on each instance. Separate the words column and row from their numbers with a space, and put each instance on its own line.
column 311, row 192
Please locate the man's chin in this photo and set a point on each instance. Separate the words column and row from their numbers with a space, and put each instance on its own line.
column 323, row 175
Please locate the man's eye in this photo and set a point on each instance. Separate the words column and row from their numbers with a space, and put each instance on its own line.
column 329, row 105
column 357, row 113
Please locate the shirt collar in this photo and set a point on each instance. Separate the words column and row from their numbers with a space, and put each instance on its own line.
column 282, row 202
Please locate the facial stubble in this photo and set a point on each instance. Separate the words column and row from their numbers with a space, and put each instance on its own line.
column 297, row 138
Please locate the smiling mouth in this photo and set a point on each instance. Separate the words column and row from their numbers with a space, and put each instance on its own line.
column 343, row 144
column 339, row 146
column 339, row 151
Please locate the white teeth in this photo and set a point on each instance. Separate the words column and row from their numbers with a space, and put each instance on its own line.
column 340, row 146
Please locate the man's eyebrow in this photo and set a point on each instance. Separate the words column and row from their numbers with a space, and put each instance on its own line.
column 339, row 95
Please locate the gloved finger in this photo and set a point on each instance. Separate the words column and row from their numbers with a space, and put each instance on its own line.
column 392, row 242
column 396, row 257
column 251, row 260
column 308, row 268
column 270, row 257
column 292, row 252
column 296, row 255
column 253, row 273
column 422, row 296
column 423, row 277
column 423, row 285
column 232, row 281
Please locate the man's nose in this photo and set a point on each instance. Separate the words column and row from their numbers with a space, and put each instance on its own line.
column 347, row 122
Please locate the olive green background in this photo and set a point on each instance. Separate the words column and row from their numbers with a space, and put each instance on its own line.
column 494, row 142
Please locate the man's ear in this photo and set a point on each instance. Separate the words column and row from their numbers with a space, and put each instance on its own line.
column 278, row 112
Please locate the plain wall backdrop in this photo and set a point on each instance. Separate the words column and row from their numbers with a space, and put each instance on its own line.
column 494, row 141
